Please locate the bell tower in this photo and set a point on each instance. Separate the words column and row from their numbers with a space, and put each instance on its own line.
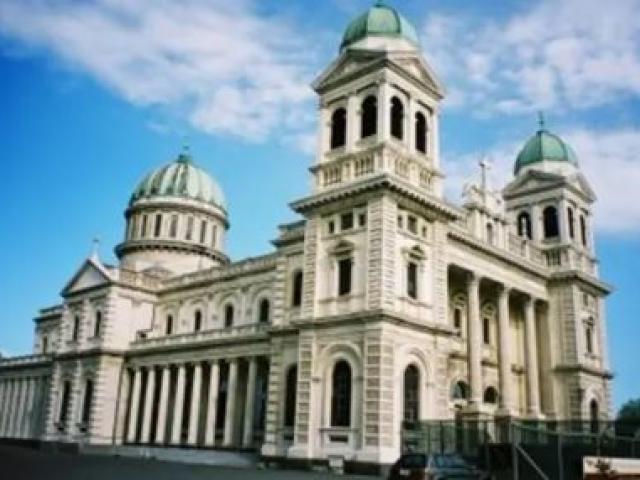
column 379, row 107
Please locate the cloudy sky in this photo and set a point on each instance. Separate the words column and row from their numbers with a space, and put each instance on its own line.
column 96, row 93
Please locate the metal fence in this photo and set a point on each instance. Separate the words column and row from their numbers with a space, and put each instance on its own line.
column 525, row 449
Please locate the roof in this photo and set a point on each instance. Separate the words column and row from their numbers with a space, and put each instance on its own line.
column 382, row 21
column 544, row 146
column 180, row 179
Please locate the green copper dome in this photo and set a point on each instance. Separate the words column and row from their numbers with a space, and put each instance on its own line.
column 381, row 21
column 180, row 179
column 544, row 146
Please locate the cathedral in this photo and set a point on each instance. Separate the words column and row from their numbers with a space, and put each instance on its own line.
column 384, row 304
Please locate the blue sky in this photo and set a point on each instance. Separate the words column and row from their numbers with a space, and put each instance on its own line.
column 96, row 93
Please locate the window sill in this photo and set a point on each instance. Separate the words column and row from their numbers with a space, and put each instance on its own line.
column 342, row 298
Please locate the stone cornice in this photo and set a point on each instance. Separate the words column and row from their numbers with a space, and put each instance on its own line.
column 578, row 368
column 169, row 245
column 377, row 182
column 596, row 283
column 365, row 316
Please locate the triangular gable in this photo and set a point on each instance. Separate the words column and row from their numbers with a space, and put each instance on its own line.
column 420, row 69
column 90, row 274
column 347, row 63
column 534, row 179
column 350, row 62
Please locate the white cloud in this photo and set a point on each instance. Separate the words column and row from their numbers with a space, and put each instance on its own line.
column 560, row 54
column 222, row 65
column 610, row 160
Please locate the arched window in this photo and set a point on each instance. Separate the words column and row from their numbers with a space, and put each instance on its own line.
column 63, row 413
column 197, row 321
column 457, row 318
column 157, row 229
column 459, row 391
column 263, row 311
column 290, row 397
column 594, row 415
column 490, row 395
column 369, row 118
column 411, row 394
column 76, row 328
column 412, row 280
column 589, row 336
column 570, row 220
column 86, row 404
column 397, row 118
column 550, row 219
column 97, row 327
column 296, row 291
column 338, row 128
column 524, row 225
column 228, row 315
column 168, row 327
column 486, row 331
column 490, row 235
column 421, row 133
column 583, row 230
column 341, row 395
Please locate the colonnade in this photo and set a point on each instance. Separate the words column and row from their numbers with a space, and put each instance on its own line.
column 205, row 397
column 507, row 400
column 22, row 406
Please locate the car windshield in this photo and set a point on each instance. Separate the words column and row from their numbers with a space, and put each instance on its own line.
column 449, row 461
column 413, row 461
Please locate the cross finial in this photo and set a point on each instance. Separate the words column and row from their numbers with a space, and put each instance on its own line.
column 95, row 248
column 541, row 120
column 185, row 155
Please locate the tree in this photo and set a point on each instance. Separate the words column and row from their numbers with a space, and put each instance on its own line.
column 628, row 420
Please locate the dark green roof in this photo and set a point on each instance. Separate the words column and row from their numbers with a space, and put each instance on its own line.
column 382, row 21
column 544, row 146
column 180, row 179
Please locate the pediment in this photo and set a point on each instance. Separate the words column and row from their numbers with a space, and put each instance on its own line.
column 344, row 66
column 417, row 67
column 90, row 275
column 349, row 63
column 536, row 180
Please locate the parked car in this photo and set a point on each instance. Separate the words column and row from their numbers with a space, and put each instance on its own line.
column 421, row 466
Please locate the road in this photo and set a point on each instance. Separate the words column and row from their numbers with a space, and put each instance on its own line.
column 17, row 463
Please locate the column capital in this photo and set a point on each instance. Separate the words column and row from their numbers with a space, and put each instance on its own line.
column 504, row 289
column 473, row 276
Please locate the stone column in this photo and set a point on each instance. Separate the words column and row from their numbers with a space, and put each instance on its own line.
column 135, row 403
column 353, row 121
column 231, row 403
column 474, row 340
column 16, row 429
column 148, row 405
column 196, row 389
column 178, row 406
column 531, row 352
column 247, row 433
column 161, row 425
column 506, row 385
column 384, row 111
column 212, row 402
column 4, row 407
column 28, row 407
column 410, row 125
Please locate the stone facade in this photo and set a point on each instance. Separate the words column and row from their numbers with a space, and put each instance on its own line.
column 385, row 303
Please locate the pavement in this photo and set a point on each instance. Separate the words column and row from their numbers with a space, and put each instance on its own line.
column 21, row 463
